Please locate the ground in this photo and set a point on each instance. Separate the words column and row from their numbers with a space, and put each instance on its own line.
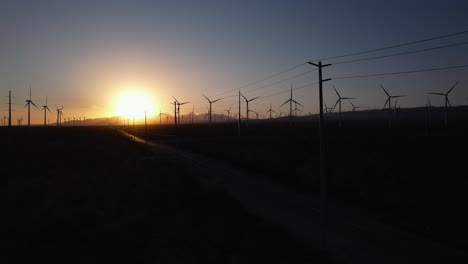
column 85, row 195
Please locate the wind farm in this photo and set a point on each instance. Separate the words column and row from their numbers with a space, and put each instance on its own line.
column 234, row 133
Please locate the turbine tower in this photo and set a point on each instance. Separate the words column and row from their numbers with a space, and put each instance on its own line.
column 447, row 102
column 211, row 102
column 45, row 108
column 28, row 104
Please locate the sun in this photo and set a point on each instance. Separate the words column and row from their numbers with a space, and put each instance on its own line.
column 134, row 105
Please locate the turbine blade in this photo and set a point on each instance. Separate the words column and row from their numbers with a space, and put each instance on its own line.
column 285, row 102
column 254, row 98
column 175, row 99
column 337, row 101
column 34, row 104
column 386, row 102
column 336, row 91
column 437, row 93
column 206, row 98
column 297, row 103
column 217, row 100
column 384, row 90
column 452, row 88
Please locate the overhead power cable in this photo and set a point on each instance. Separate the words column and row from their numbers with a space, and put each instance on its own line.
column 401, row 72
column 402, row 53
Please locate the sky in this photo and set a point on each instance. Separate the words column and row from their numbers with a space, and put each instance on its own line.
column 86, row 55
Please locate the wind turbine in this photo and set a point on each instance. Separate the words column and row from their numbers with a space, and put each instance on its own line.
column 229, row 113
column 270, row 111
column 28, row 104
column 59, row 115
column 290, row 101
column 192, row 113
column 389, row 102
column 354, row 107
column 389, row 99
column 338, row 102
column 327, row 109
column 45, row 108
column 296, row 109
column 447, row 101
column 247, row 101
column 211, row 102
column 178, row 110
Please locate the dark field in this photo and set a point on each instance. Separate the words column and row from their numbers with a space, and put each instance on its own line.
column 409, row 176
column 88, row 195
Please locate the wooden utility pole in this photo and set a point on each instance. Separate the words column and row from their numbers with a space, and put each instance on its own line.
column 323, row 183
column 239, row 117
column 9, row 108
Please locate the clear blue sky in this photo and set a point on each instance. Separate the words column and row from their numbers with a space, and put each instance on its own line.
column 84, row 54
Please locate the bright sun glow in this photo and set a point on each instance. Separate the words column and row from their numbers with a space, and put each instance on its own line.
column 134, row 105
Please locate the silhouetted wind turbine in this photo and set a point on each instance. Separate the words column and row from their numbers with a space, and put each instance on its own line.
column 270, row 111
column 192, row 113
column 211, row 102
column 59, row 115
column 247, row 101
column 178, row 109
column 290, row 101
column 45, row 108
column 389, row 99
column 338, row 102
column 389, row 102
column 447, row 101
column 28, row 104
column 354, row 107
column 229, row 113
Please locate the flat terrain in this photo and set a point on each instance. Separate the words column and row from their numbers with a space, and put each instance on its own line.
column 409, row 175
column 87, row 195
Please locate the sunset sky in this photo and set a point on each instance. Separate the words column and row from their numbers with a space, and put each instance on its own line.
column 85, row 55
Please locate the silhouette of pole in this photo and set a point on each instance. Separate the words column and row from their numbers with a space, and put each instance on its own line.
column 239, row 117
column 146, row 129
column 9, row 108
column 323, row 185
column 175, row 114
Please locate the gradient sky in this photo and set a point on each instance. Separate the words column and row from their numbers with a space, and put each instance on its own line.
column 85, row 54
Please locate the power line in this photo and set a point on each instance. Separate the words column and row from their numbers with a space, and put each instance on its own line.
column 393, row 46
column 402, row 53
column 342, row 56
column 397, row 73
column 264, row 79
column 285, row 91
column 280, row 81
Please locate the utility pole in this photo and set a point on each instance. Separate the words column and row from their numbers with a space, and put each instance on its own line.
column 175, row 114
column 323, row 184
column 239, row 115
column 146, row 130
column 9, row 108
